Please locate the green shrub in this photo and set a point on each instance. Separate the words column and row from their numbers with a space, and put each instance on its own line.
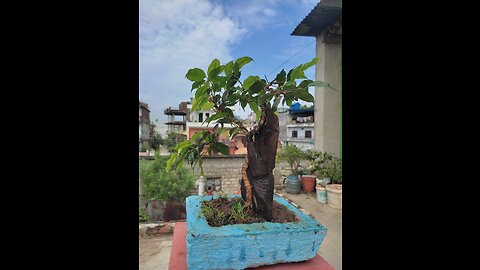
column 143, row 216
column 162, row 186
column 293, row 156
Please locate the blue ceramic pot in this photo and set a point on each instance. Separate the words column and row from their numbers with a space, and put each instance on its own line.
column 292, row 184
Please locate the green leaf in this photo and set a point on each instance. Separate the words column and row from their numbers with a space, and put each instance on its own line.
column 221, row 148
column 289, row 85
column 250, row 81
column 281, row 77
column 183, row 144
column 289, row 102
column 208, row 106
column 195, row 74
column 197, row 84
column 233, row 79
column 215, row 64
column 230, row 112
column 233, row 97
column 209, row 138
column 321, row 84
column 201, row 91
column 229, row 68
column 289, row 75
column 216, row 87
column 243, row 61
column 197, row 103
column 256, row 87
column 214, row 73
column 297, row 73
column 216, row 116
column 309, row 64
column 276, row 102
column 220, row 81
column 243, row 102
column 304, row 83
column 304, row 95
column 288, row 99
column 254, row 106
column 236, row 68
column 265, row 98
column 196, row 135
column 232, row 131
column 172, row 158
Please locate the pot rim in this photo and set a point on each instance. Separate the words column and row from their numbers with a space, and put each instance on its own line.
column 335, row 188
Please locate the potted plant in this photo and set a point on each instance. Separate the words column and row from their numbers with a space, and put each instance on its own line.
column 292, row 155
column 219, row 88
column 319, row 166
column 324, row 168
column 334, row 190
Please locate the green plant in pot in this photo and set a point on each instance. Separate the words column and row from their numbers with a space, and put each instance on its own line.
column 219, row 88
column 293, row 156
column 337, row 171
column 325, row 168
column 334, row 190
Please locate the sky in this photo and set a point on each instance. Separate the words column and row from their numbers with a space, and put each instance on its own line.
column 177, row 35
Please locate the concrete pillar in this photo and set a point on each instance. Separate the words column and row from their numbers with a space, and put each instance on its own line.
column 327, row 100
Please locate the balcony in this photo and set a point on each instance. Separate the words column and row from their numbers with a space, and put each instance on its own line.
column 171, row 111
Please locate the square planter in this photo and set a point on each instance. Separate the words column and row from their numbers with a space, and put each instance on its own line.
column 241, row 246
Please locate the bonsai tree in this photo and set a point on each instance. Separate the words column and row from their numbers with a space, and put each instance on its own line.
column 293, row 156
column 219, row 88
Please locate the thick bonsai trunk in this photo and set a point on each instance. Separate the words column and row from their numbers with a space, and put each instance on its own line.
column 261, row 151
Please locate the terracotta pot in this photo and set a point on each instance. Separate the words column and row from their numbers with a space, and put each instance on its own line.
column 308, row 183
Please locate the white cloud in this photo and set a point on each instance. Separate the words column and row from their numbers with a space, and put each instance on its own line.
column 174, row 37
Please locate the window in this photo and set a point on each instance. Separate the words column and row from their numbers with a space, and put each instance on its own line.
column 207, row 115
column 200, row 117
column 214, row 184
column 308, row 133
column 294, row 134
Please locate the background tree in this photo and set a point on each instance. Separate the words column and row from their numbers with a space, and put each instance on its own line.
column 293, row 156
column 155, row 138
column 219, row 88
column 173, row 138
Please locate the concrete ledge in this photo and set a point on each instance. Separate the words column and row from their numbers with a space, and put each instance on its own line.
column 249, row 245
column 152, row 229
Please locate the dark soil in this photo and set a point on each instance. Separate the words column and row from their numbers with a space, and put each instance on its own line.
column 224, row 211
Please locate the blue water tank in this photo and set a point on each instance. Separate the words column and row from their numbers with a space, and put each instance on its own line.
column 292, row 184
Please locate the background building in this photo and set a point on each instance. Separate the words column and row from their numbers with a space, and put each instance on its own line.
column 177, row 118
column 143, row 125
column 297, row 127
column 324, row 23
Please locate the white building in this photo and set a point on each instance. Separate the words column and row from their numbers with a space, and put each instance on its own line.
column 297, row 127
